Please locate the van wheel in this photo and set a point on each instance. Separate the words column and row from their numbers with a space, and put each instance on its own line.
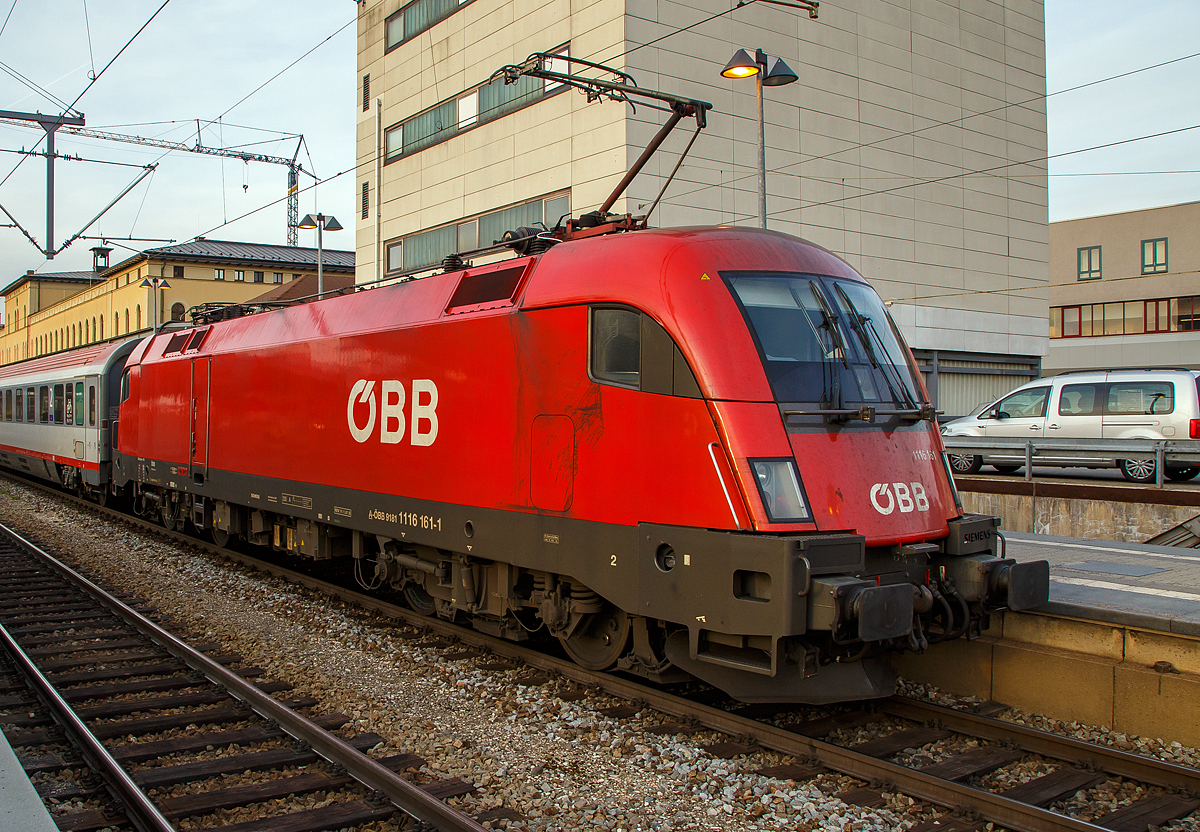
column 1181, row 474
column 1007, row 469
column 1137, row 470
column 965, row 463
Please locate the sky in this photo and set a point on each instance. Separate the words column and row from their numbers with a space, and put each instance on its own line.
column 209, row 62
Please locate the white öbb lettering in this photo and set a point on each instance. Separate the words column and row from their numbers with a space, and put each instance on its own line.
column 886, row 497
column 389, row 411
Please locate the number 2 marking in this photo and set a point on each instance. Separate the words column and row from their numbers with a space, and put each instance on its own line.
column 613, row 561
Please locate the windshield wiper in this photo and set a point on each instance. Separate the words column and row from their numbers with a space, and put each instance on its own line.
column 865, row 329
column 830, row 325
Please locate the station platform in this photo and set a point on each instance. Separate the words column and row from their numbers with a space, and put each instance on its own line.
column 1129, row 584
column 21, row 809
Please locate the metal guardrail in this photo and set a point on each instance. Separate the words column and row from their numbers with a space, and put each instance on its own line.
column 1028, row 451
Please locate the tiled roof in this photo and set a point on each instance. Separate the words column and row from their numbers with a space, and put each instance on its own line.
column 306, row 287
column 224, row 251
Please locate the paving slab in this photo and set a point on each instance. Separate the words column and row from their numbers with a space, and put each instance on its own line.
column 21, row 810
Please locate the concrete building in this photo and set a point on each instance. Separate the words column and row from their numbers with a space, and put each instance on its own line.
column 56, row 311
column 1124, row 290
column 913, row 146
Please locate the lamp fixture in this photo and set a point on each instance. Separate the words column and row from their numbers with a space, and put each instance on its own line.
column 741, row 65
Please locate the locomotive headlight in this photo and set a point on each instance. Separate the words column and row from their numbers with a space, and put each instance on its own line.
column 780, row 489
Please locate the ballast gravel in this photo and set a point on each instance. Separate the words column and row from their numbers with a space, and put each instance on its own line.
column 557, row 764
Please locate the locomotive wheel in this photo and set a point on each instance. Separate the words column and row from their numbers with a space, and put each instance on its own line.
column 220, row 537
column 600, row 640
column 102, row 496
column 421, row 601
column 169, row 513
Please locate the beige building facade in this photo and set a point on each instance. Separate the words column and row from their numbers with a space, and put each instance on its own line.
column 1125, row 290
column 913, row 145
column 46, row 313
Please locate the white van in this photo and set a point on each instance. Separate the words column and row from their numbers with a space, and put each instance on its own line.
column 1090, row 404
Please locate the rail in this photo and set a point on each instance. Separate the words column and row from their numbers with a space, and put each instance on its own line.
column 1083, row 451
column 402, row 794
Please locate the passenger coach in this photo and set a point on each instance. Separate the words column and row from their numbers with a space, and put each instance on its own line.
column 58, row 412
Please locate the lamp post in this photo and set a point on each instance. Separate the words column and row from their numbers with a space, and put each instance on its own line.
column 322, row 223
column 742, row 65
column 154, row 284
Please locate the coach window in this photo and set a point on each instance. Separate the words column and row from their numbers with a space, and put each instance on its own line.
column 30, row 405
column 79, row 402
column 64, row 412
column 44, row 404
column 91, row 405
column 8, row 401
column 19, row 405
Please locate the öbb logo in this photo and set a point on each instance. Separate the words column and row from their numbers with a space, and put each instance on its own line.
column 886, row 497
column 390, row 411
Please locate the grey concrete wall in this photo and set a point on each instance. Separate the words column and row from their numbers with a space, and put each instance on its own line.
column 1122, row 522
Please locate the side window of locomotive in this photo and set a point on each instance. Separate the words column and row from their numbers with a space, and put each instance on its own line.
column 31, row 405
column 79, row 402
column 19, row 404
column 63, row 412
column 91, row 405
column 616, row 346
column 125, row 386
column 632, row 350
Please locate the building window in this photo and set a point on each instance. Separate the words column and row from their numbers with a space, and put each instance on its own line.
column 177, row 312
column 366, row 200
column 427, row 248
column 239, row 276
column 295, row 276
column 177, row 272
column 1089, row 263
column 1154, row 256
column 415, row 18
column 395, row 256
column 366, row 93
column 277, row 277
column 477, row 106
column 258, row 277
column 218, row 274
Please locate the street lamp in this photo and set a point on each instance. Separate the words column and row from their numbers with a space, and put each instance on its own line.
column 321, row 223
column 154, row 283
column 742, row 65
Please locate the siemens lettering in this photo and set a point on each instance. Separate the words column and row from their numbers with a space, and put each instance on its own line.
column 389, row 411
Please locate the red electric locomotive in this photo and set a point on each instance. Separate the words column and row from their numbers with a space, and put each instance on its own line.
column 702, row 450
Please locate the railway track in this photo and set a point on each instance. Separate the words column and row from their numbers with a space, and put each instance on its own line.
column 906, row 752
column 88, row 682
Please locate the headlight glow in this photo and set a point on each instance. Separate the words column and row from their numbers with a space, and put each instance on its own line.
column 780, row 489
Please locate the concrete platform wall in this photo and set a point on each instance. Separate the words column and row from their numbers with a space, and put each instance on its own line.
column 1136, row 681
column 1125, row 522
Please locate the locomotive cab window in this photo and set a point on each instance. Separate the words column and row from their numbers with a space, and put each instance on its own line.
column 629, row 349
column 826, row 340
column 125, row 386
